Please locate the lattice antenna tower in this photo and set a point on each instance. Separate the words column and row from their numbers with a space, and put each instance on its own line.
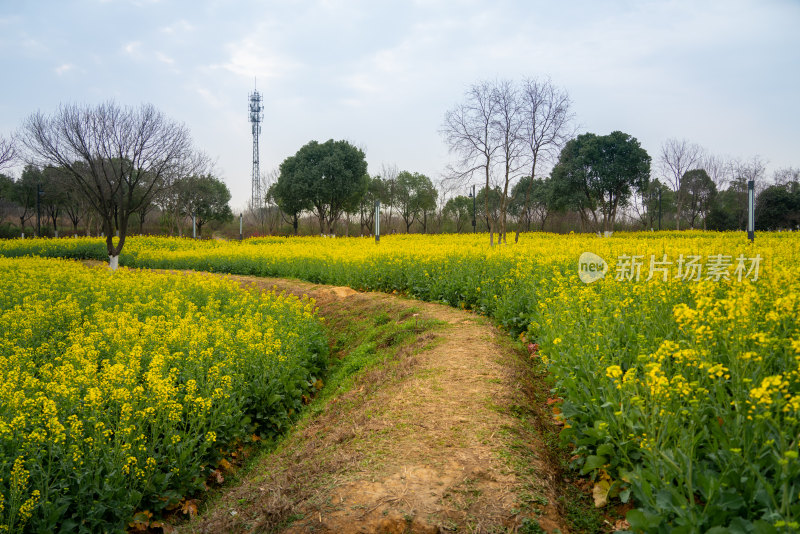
column 256, row 116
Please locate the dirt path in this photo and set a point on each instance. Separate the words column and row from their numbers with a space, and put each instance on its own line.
column 438, row 440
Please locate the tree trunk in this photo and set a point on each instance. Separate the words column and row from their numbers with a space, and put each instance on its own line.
column 113, row 251
column 321, row 217
column 486, row 204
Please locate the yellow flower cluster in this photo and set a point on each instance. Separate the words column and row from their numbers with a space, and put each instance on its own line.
column 116, row 379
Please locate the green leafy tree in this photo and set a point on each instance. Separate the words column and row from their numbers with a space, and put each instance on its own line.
column 697, row 192
column 726, row 211
column 778, row 207
column 377, row 190
column 427, row 201
column 6, row 191
column 459, row 210
column 290, row 194
column 531, row 200
column 56, row 183
column 331, row 176
column 736, row 202
column 24, row 192
column 596, row 175
column 414, row 196
column 206, row 198
column 658, row 199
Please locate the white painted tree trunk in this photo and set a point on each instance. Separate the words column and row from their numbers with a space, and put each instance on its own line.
column 113, row 262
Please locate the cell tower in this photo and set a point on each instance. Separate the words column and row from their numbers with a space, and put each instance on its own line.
column 256, row 116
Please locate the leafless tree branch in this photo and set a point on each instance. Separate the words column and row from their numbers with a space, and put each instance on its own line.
column 8, row 152
column 677, row 157
column 119, row 158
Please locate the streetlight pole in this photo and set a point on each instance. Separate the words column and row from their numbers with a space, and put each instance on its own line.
column 751, row 208
column 474, row 224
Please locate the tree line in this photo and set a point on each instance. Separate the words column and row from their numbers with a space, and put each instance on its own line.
column 517, row 141
column 515, row 148
column 110, row 163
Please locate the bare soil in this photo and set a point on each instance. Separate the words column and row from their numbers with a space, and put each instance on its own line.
column 441, row 438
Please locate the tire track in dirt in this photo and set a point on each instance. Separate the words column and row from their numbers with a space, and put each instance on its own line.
column 435, row 444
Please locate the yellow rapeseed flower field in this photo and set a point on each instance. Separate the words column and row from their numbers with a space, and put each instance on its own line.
column 120, row 391
column 677, row 354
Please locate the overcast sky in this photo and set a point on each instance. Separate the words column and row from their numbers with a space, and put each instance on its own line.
column 382, row 74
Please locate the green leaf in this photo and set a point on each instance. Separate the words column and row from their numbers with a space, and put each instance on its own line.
column 740, row 525
column 606, row 449
column 664, row 499
column 762, row 527
column 593, row 462
column 729, row 500
column 642, row 519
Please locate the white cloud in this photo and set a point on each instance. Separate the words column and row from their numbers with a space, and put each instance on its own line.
column 162, row 57
column 250, row 58
column 180, row 26
column 133, row 49
column 64, row 68
column 210, row 98
column 32, row 45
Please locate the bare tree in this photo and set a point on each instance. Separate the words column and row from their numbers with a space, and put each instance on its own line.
column 7, row 151
column 718, row 169
column 273, row 213
column 468, row 132
column 743, row 172
column 754, row 169
column 786, row 175
column 267, row 216
column 547, row 126
column 119, row 157
column 677, row 157
column 507, row 125
column 75, row 205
